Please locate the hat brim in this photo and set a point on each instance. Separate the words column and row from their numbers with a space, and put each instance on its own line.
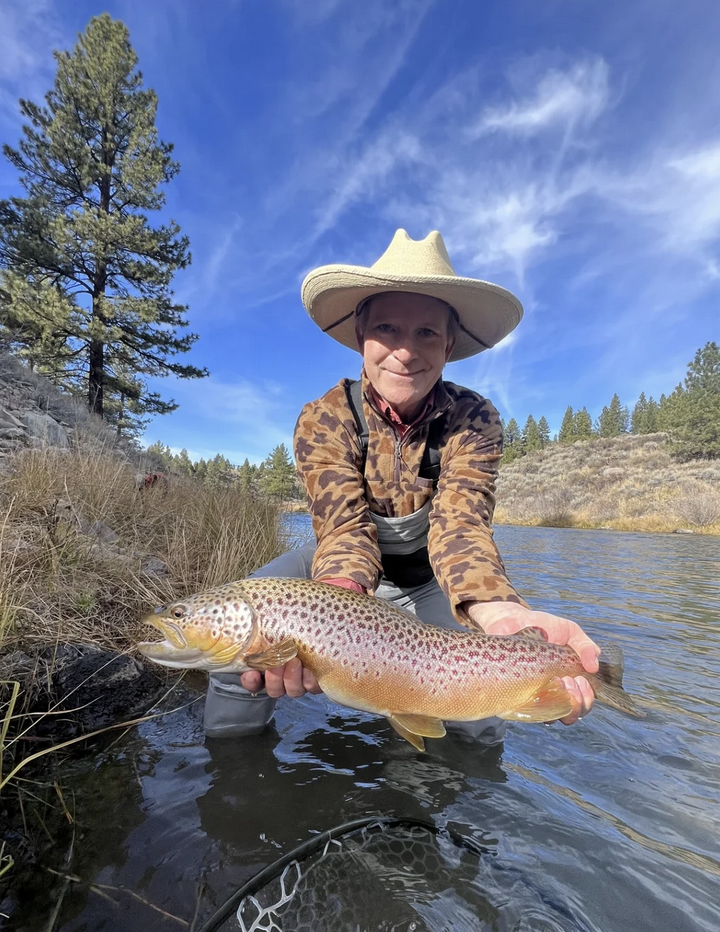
column 487, row 312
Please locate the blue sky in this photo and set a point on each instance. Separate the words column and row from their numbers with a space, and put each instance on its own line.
column 568, row 150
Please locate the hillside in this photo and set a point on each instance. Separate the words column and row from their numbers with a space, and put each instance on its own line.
column 630, row 482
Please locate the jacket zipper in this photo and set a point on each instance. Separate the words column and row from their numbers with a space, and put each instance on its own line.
column 398, row 460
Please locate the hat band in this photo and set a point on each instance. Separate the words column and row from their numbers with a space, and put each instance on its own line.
column 358, row 310
column 338, row 322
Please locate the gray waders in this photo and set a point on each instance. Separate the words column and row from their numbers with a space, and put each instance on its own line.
column 232, row 711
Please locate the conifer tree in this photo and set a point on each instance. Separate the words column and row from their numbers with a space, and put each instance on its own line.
column 512, row 442
column 544, row 429
column 645, row 416
column 279, row 480
column 673, row 410
column 698, row 432
column 247, row 477
column 531, row 435
column 184, row 464
column 613, row 419
column 34, row 316
column 582, row 425
column 92, row 166
column 567, row 428
column 652, row 414
column 219, row 471
column 639, row 412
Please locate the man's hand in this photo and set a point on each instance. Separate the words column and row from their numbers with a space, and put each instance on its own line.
column 508, row 618
column 292, row 679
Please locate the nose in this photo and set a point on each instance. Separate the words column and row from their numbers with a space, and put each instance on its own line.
column 405, row 349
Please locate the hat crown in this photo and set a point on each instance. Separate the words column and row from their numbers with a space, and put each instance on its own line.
column 405, row 256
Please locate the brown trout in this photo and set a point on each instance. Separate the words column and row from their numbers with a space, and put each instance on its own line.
column 368, row 654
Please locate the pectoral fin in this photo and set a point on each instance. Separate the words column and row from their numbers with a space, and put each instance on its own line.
column 275, row 655
column 550, row 702
column 412, row 727
column 225, row 655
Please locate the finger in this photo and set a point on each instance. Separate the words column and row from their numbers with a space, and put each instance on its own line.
column 576, row 699
column 274, row 682
column 310, row 683
column 293, row 678
column 586, row 649
column 252, row 681
column 587, row 694
column 504, row 626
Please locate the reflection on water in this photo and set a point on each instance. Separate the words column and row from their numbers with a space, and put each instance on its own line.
column 610, row 825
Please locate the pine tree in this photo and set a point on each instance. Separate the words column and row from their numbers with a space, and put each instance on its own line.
column 567, row 428
column 531, row 435
column 219, row 471
column 91, row 165
column 279, row 480
column 34, row 316
column 639, row 414
column 698, row 433
column 247, row 477
column 645, row 416
column 582, row 425
column 613, row 419
column 184, row 464
column 544, row 429
column 652, row 414
column 512, row 442
column 672, row 410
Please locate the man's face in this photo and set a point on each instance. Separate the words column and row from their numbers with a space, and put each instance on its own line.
column 405, row 346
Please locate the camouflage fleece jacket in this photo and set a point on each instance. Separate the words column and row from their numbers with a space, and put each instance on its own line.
column 461, row 548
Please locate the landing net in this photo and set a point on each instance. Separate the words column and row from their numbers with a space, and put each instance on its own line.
column 384, row 875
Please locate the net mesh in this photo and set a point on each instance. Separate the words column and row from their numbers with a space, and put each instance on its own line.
column 377, row 878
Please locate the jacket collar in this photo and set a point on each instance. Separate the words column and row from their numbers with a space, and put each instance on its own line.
column 441, row 401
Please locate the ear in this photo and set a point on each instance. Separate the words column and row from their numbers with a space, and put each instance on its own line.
column 359, row 337
column 450, row 348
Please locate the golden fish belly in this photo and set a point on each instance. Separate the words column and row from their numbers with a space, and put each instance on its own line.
column 408, row 685
column 369, row 655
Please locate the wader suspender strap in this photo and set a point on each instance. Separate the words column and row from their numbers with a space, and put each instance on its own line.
column 430, row 465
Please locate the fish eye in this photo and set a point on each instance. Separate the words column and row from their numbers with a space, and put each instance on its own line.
column 178, row 611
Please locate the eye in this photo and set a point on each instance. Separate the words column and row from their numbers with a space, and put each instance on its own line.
column 178, row 612
column 383, row 328
column 427, row 332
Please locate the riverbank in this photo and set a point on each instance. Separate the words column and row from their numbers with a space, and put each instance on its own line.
column 626, row 483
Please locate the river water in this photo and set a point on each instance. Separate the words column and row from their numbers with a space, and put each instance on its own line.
column 609, row 825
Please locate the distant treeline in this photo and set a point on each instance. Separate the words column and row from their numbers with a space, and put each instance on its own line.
column 690, row 415
column 275, row 477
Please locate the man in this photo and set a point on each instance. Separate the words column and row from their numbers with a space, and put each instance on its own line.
column 400, row 469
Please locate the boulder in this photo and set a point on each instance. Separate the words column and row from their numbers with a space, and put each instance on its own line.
column 7, row 419
column 45, row 430
column 82, row 686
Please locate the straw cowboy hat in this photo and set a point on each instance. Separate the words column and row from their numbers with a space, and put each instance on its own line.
column 486, row 313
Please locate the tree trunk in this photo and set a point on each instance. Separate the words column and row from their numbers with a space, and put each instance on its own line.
column 96, row 377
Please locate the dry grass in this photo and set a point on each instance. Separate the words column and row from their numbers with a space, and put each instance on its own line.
column 60, row 582
column 627, row 483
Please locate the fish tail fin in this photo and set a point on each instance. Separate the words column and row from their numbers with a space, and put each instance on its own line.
column 607, row 682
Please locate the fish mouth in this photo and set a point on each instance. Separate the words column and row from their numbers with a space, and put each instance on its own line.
column 174, row 650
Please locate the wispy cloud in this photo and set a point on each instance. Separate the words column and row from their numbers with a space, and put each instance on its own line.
column 562, row 99
column 29, row 31
column 254, row 413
